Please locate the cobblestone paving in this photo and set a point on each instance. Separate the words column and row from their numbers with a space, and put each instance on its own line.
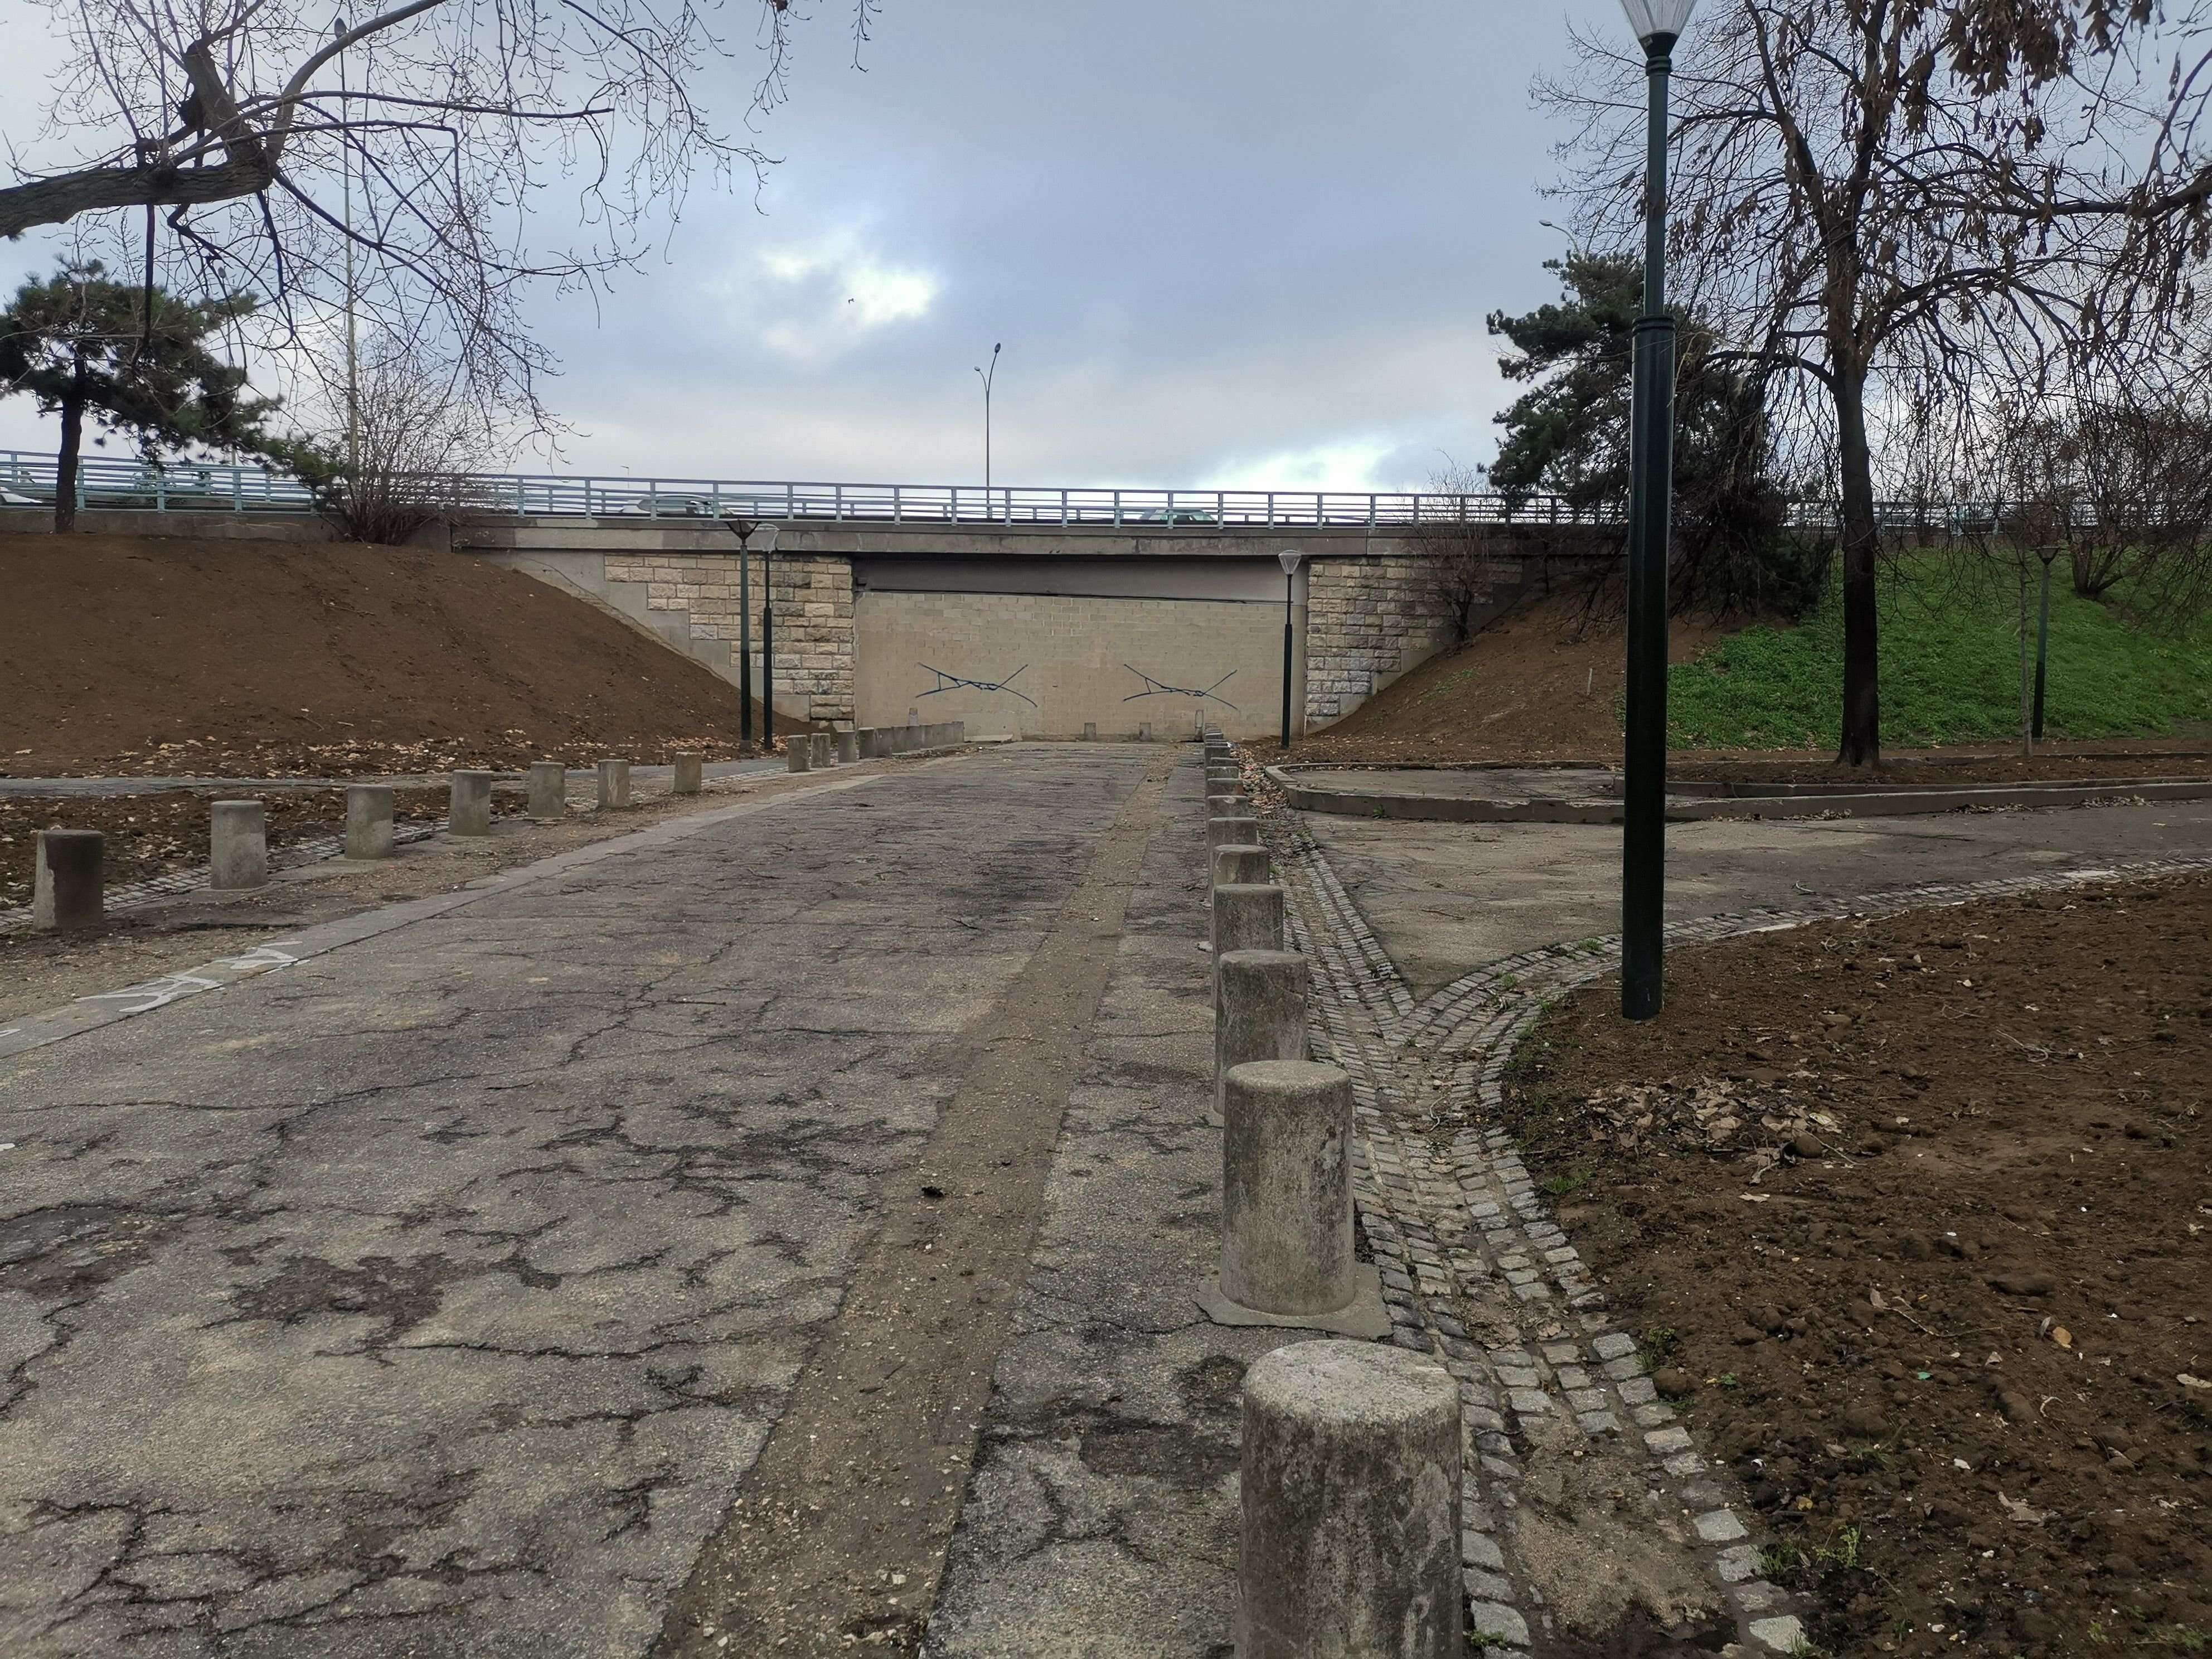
column 1574, row 1466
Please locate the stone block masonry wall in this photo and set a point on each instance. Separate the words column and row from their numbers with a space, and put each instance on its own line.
column 1372, row 619
column 813, row 617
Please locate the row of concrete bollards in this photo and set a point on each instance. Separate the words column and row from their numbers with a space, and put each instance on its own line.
column 817, row 751
column 1351, row 1463
column 68, row 887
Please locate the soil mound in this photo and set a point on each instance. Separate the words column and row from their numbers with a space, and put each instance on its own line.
column 136, row 655
column 1542, row 684
column 1915, row 1210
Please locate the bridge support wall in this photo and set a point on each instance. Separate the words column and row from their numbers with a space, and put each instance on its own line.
column 1038, row 631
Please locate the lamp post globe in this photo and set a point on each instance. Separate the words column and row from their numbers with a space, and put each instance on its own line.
column 1658, row 24
column 1650, row 19
column 1290, row 559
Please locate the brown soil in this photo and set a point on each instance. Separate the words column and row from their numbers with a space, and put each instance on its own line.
column 150, row 835
column 178, row 656
column 1918, row 1212
column 1533, row 686
column 1539, row 686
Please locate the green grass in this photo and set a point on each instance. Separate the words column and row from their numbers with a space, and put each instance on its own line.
column 1950, row 673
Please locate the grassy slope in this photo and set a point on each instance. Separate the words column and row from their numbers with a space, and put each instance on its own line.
column 1950, row 673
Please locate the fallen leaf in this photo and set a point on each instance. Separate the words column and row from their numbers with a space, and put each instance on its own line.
column 2016, row 1510
column 2189, row 1382
column 2062, row 1336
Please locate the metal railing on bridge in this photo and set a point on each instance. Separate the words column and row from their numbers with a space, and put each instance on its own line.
column 28, row 479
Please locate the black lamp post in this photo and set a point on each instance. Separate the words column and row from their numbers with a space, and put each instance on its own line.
column 753, row 538
column 1289, row 559
column 1658, row 24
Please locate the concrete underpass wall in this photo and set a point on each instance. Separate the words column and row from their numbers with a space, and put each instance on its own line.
column 1066, row 659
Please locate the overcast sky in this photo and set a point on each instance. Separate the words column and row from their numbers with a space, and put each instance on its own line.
column 1225, row 243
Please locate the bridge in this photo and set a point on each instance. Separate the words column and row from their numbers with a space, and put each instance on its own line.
column 115, row 483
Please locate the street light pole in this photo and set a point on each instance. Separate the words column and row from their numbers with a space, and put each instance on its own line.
column 987, row 379
column 1658, row 24
column 353, row 327
column 1288, row 558
column 755, row 538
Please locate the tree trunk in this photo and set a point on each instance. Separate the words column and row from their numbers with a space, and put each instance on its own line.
column 1862, row 720
column 65, row 463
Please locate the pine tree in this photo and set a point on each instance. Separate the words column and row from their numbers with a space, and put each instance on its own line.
column 84, row 346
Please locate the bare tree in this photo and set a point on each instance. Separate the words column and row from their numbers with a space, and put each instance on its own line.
column 2114, row 478
column 1879, row 204
column 1459, row 565
column 400, row 167
column 410, row 448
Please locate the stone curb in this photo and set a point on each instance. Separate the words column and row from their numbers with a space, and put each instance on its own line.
column 1453, row 809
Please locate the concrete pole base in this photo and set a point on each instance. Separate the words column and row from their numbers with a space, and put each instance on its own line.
column 1350, row 1483
column 1286, row 1186
column 1363, row 1319
column 1239, row 830
column 822, row 757
column 549, row 789
column 67, row 881
column 614, row 784
column 237, row 844
column 691, row 774
column 848, row 747
column 369, row 821
column 468, row 810
column 1246, row 919
column 1242, row 866
column 798, row 752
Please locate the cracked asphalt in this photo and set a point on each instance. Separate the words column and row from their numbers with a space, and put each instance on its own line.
column 433, row 1296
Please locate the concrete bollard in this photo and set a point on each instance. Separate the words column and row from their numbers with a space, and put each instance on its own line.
column 1260, row 1013
column 848, row 747
column 1144, row 730
column 468, row 808
column 1350, row 1483
column 238, row 843
column 549, row 789
column 369, row 821
column 825, row 757
column 1236, row 829
column 1286, row 1181
column 690, row 776
column 1090, row 731
column 1247, row 918
column 1242, row 867
column 614, row 784
column 68, row 878
column 1222, row 804
column 798, row 752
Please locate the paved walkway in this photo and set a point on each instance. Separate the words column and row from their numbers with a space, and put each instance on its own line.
column 432, row 1296
column 748, row 1236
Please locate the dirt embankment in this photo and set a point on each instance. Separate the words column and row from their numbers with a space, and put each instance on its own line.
column 1536, row 685
column 1916, row 1215
column 1545, row 684
column 138, row 655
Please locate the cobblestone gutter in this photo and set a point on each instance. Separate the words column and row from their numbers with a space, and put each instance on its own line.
column 1584, row 1490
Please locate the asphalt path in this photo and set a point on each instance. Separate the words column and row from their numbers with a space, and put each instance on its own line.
column 433, row 1295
